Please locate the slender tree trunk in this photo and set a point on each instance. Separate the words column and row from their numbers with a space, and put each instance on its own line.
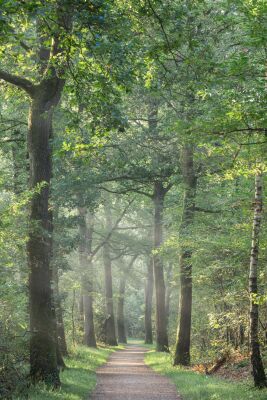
column 168, row 294
column 182, row 351
column 110, row 320
column 148, row 302
column 61, row 337
column 120, row 311
column 256, row 360
column 87, row 276
column 110, row 332
column 60, row 360
column 72, row 316
column 161, row 325
column 122, row 337
column 59, row 323
column 89, row 328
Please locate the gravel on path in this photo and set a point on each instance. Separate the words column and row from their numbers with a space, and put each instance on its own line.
column 126, row 377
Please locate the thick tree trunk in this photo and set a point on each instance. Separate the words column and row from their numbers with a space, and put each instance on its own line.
column 256, row 360
column 43, row 357
column 44, row 98
column 182, row 351
column 110, row 320
column 87, row 276
column 161, row 325
column 120, row 311
column 148, row 302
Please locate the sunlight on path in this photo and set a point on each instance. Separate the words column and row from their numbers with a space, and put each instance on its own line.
column 126, row 377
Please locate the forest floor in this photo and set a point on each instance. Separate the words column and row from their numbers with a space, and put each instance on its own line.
column 194, row 385
column 116, row 373
column 126, row 377
column 79, row 379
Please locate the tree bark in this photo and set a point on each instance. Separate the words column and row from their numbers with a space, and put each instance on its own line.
column 85, row 248
column 182, row 351
column 256, row 360
column 43, row 358
column 110, row 320
column 161, row 325
column 61, row 337
column 120, row 311
column 44, row 98
column 168, row 294
column 122, row 337
column 148, row 302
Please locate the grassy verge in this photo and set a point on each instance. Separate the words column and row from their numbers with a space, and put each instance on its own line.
column 194, row 386
column 79, row 379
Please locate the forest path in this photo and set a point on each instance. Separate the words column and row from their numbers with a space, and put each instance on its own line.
column 126, row 377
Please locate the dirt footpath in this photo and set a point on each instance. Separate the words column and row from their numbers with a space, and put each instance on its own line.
column 126, row 377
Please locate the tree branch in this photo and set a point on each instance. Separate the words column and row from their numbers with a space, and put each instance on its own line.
column 93, row 253
column 18, row 81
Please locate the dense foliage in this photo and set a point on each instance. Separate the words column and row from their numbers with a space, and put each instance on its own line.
column 147, row 128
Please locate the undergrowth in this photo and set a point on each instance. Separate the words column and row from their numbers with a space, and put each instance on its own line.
column 195, row 386
column 78, row 380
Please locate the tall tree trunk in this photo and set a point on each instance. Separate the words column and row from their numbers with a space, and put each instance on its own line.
column 85, row 247
column 110, row 320
column 89, row 328
column 168, row 294
column 122, row 338
column 61, row 337
column 45, row 96
column 256, row 360
column 43, row 358
column 120, row 311
column 59, row 328
column 182, row 351
column 59, row 355
column 161, row 326
column 148, row 302
column 110, row 329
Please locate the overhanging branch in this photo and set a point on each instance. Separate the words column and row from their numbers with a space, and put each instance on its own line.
column 18, row 81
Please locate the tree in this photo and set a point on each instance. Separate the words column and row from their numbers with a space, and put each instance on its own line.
column 256, row 361
column 85, row 250
column 122, row 338
column 44, row 96
column 182, row 352
column 148, row 302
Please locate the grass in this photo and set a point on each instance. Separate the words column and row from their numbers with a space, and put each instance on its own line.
column 195, row 386
column 79, row 380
